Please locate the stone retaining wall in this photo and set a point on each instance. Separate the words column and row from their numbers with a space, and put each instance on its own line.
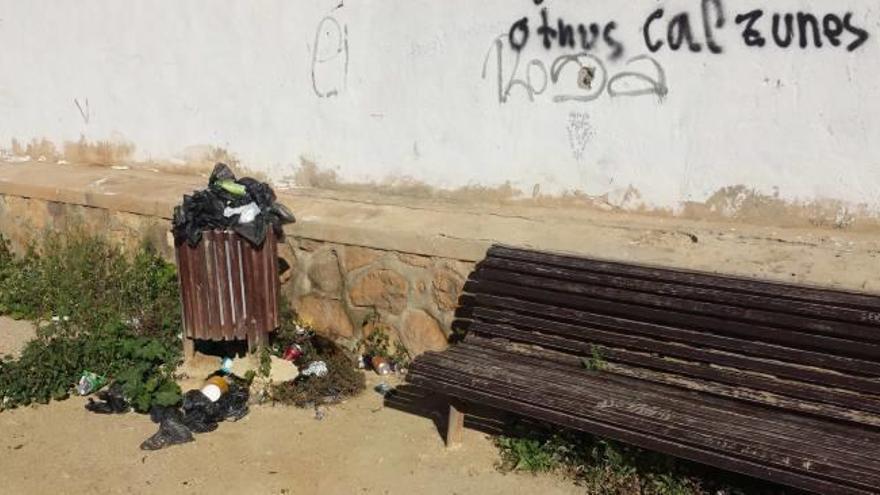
column 342, row 290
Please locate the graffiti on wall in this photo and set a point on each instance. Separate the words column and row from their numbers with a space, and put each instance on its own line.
column 329, row 63
column 581, row 77
column 579, row 74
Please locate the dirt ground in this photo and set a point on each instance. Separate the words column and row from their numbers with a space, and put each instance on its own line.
column 14, row 335
column 359, row 447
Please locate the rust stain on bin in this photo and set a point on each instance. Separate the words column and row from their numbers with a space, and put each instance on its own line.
column 229, row 288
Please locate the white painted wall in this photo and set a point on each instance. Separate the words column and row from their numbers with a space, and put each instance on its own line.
column 169, row 74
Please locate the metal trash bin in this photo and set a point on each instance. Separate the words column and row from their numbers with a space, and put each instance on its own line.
column 228, row 288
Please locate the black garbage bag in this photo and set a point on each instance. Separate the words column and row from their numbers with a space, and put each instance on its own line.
column 200, row 414
column 197, row 414
column 234, row 405
column 112, row 401
column 172, row 431
column 207, row 209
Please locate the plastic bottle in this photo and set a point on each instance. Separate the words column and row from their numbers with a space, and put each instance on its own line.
column 215, row 387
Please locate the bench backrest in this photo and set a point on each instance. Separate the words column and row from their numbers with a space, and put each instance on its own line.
column 805, row 349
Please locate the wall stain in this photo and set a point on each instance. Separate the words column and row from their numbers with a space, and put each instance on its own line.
column 736, row 204
column 733, row 204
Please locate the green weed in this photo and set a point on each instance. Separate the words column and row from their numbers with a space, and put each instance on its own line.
column 98, row 309
column 605, row 467
column 596, row 361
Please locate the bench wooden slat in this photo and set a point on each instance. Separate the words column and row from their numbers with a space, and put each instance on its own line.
column 684, row 351
column 722, row 326
column 802, row 325
column 594, row 396
column 786, row 312
column 581, row 390
column 757, row 348
column 645, row 419
column 645, row 440
column 761, row 389
column 744, row 285
column 866, row 442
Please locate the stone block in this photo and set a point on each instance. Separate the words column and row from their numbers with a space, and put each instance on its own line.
column 382, row 289
column 358, row 257
column 325, row 315
column 420, row 333
column 324, row 272
column 447, row 286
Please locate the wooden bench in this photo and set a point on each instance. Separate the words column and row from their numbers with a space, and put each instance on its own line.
column 776, row 381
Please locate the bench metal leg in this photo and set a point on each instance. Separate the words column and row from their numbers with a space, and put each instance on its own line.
column 455, row 426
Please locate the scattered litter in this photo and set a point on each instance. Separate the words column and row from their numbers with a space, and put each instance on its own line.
column 57, row 319
column 199, row 413
column 120, row 167
column 112, row 401
column 172, row 431
column 226, row 365
column 380, row 365
column 327, row 376
column 89, row 382
column 42, row 158
column 384, row 389
column 361, row 364
column 62, row 162
column 206, row 209
column 316, row 368
column 214, row 388
column 293, row 352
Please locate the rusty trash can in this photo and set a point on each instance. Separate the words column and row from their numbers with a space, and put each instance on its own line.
column 228, row 288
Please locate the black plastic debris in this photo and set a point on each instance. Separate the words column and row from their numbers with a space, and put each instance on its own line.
column 112, row 401
column 197, row 415
column 172, row 430
column 244, row 205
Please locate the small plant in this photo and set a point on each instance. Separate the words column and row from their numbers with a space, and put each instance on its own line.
column 605, row 467
column 596, row 361
column 265, row 356
column 98, row 310
column 379, row 343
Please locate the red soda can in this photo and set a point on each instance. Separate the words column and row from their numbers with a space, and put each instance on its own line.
column 293, row 353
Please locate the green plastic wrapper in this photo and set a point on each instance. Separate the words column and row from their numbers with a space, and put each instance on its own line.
column 90, row 382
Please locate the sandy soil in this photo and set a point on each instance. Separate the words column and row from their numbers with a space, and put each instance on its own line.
column 359, row 447
column 14, row 335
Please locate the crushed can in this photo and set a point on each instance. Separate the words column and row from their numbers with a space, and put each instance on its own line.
column 293, row 353
column 89, row 382
column 380, row 365
column 316, row 368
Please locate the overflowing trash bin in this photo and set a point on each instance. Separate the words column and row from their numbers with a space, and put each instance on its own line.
column 226, row 245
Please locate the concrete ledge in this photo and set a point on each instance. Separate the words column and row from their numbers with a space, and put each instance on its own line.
column 458, row 231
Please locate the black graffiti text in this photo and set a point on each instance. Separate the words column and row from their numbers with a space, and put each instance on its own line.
column 802, row 29
column 585, row 37
column 681, row 31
